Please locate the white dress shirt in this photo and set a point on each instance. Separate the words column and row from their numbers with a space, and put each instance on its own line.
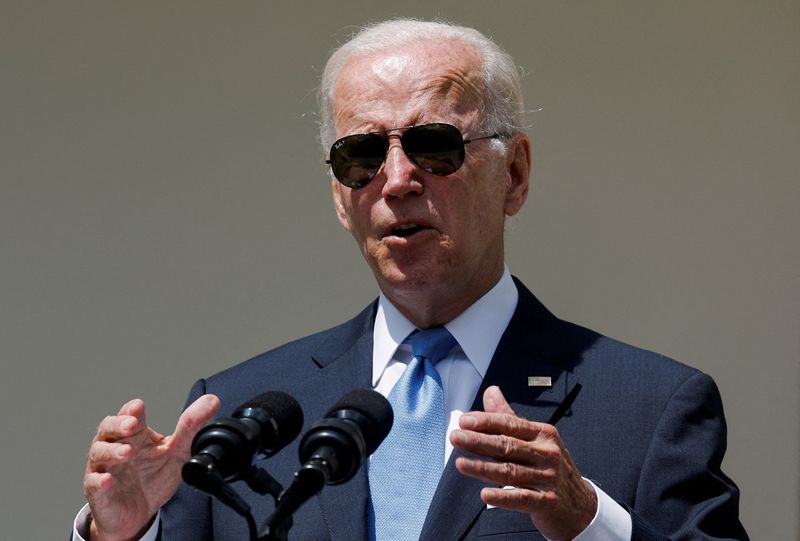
column 478, row 331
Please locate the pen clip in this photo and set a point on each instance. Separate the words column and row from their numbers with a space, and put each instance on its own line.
column 565, row 404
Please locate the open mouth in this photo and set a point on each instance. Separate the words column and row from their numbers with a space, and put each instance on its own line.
column 406, row 230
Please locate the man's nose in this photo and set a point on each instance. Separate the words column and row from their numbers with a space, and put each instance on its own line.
column 402, row 176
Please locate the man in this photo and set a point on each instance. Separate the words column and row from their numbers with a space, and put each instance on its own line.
column 423, row 123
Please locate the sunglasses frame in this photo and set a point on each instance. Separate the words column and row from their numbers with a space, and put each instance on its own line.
column 404, row 129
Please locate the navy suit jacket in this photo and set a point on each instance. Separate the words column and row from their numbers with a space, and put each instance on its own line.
column 648, row 430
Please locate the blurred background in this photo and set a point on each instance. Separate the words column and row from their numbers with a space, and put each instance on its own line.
column 165, row 212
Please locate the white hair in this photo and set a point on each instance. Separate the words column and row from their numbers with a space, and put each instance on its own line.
column 502, row 103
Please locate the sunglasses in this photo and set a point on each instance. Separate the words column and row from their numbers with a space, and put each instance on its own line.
column 436, row 148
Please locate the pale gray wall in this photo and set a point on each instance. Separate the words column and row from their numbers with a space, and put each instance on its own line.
column 164, row 212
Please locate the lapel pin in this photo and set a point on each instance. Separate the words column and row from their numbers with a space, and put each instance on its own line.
column 539, row 381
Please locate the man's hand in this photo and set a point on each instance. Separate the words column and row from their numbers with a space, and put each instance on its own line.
column 133, row 470
column 531, row 457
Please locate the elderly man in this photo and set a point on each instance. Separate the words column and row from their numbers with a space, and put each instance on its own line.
column 423, row 126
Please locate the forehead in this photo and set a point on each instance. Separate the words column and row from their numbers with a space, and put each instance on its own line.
column 421, row 82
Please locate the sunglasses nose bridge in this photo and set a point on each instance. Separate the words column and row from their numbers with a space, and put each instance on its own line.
column 395, row 150
column 399, row 171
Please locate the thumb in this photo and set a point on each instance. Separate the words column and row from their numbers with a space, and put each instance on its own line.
column 495, row 402
column 192, row 418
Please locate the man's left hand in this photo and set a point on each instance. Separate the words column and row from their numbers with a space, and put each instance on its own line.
column 532, row 458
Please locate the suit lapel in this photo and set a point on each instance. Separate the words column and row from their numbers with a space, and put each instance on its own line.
column 345, row 360
column 532, row 345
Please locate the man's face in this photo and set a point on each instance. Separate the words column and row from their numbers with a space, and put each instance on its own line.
column 422, row 233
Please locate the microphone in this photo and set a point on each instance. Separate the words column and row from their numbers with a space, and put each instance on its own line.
column 224, row 447
column 351, row 430
column 334, row 448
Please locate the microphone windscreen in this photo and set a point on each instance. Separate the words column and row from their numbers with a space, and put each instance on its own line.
column 375, row 409
column 285, row 412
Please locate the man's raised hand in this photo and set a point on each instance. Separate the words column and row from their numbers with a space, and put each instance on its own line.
column 132, row 470
column 532, row 458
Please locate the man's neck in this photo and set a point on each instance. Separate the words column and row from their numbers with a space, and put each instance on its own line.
column 440, row 304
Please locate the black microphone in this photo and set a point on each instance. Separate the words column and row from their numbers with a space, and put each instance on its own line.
column 225, row 447
column 334, row 448
column 351, row 430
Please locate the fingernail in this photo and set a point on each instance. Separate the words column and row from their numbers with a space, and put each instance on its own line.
column 458, row 437
column 126, row 425
column 468, row 421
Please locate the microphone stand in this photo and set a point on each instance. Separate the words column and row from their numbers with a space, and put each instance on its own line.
column 259, row 481
column 263, row 483
column 212, row 483
column 309, row 480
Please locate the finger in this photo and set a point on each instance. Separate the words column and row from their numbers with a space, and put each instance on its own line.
column 103, row 455
column 134, row 407
column 500, row 447
column 192, row 418
column 504, row 423
column 495, row 402
column 117, row 427
column 125, row 424
column 508, row 473
column 517, row 499
column 95, row 483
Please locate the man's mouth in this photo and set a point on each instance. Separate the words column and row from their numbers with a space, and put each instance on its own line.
column 406, row 230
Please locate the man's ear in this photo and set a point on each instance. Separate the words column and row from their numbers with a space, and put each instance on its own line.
column 518, row 167
column 341, row 213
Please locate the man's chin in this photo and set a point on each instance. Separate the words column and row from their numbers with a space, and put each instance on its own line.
column 407, row 278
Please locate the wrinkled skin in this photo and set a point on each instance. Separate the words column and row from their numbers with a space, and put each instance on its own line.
column 132, row 470
column 457, row 255
column 532, row 458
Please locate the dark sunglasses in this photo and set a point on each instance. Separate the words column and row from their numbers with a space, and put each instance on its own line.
column 436, row 148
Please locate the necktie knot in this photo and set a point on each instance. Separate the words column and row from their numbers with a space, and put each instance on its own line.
column 432, row 344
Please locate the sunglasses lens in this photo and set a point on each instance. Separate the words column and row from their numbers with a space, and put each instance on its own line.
column 356, row 158
column 436, row 148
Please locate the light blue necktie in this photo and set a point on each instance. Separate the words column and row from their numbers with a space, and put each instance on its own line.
column 405, row 470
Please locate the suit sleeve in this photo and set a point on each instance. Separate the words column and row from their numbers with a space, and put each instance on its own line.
column 682, row 490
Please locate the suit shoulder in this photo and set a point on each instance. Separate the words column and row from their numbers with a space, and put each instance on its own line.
column 589, row 352
column 295, row 354
column 616, row 358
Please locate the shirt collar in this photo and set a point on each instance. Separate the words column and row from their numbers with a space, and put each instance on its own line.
column 477, row 329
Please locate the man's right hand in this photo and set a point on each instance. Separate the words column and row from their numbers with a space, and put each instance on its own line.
column 132, row 470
